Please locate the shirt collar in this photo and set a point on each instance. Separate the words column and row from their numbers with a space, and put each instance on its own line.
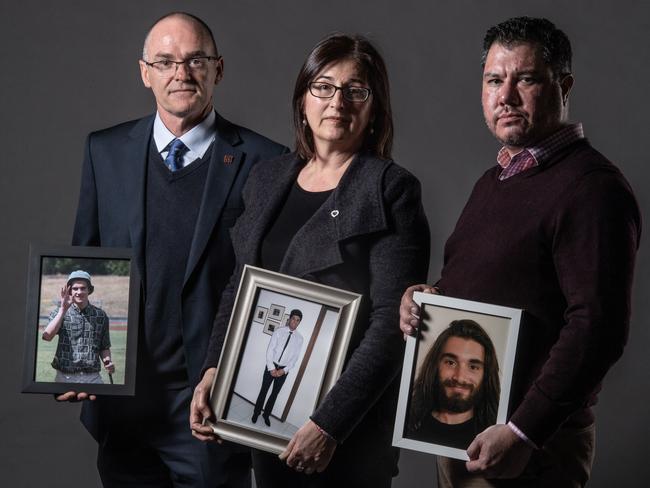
column 197, row 139
column 542, row 151
column 79, row 310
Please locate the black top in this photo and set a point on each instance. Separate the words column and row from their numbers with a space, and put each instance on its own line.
column 172, row 206
column 298, row 207
column 459, row 436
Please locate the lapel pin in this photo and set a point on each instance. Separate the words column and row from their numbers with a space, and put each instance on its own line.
column 334, row 213
column 228, row 158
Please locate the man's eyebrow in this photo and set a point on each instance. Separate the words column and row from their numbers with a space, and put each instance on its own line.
column 491, row 74
column 192, row 54
column 532, row 72
column 163, row 56
column 449, row 355
column 453, row 356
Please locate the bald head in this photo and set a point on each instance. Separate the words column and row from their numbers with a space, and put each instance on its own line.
column 198, row 25
column 183, row 93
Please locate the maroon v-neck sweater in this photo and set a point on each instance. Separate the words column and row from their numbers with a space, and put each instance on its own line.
column 559, row 241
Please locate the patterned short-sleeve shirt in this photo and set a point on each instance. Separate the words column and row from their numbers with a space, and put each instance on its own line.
column 83, row 334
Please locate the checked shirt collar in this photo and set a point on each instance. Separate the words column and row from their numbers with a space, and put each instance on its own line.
column 538, row 154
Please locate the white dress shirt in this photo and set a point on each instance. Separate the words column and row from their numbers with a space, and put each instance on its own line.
column 274, row 352
column 197, row 139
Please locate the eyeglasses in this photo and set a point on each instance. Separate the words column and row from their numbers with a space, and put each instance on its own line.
column 355, row 94
column 169, row 66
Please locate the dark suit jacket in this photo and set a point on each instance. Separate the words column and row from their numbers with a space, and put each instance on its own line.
column 377, row 245
column 112, row 208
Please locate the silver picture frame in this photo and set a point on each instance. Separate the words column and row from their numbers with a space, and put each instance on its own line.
column 437, row 312
column 328, row 317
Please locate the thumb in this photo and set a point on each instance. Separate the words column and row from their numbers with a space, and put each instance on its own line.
column 474, row 449
column 474, row 452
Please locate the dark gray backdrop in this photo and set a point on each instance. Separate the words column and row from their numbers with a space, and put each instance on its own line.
column 71, row 67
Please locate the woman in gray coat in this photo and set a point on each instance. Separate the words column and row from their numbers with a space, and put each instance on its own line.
column 340, row 212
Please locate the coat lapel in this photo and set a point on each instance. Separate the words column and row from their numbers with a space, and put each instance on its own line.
column 224, row 166
column 315, row 245
column 262, row 210
column 137, row 152
column 354, row 208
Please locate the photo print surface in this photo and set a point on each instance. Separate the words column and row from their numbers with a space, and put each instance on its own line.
column 81, row 321
column 281, row 404
column 457, row 375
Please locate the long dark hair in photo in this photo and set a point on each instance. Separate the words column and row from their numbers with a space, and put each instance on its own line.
column 424, row 398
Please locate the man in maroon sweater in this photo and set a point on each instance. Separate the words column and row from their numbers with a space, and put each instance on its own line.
column 553, row 228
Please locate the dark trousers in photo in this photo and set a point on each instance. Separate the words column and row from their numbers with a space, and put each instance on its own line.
column 267, row 379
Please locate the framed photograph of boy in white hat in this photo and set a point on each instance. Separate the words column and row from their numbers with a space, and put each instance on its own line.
column 81, row 320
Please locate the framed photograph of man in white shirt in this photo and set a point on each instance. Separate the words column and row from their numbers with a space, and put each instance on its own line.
column 272, row 376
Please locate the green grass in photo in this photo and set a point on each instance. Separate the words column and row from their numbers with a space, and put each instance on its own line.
column 45, row 353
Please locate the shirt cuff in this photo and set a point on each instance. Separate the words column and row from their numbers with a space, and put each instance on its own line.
column 521, row 435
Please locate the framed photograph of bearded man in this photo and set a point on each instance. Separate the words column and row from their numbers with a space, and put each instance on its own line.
column 457, row 374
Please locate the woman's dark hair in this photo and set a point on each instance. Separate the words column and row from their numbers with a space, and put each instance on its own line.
column 378, row 139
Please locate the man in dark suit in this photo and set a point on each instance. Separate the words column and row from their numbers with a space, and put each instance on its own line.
column 169, row 186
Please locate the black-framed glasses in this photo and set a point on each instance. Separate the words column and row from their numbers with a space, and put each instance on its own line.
column 355, row 94
column 169, row 66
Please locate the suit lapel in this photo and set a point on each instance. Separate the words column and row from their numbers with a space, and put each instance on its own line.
column 262, row 210
column 225, row 162
column 137, row 152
